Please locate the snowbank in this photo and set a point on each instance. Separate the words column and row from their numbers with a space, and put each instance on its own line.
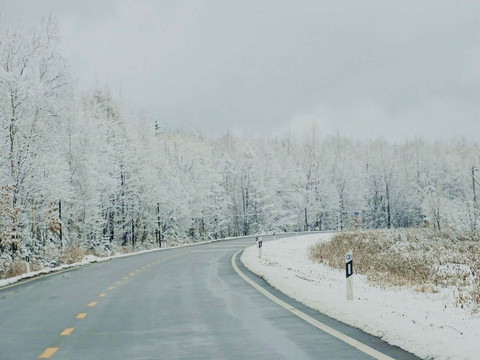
column 429, row 325
column 91, row 259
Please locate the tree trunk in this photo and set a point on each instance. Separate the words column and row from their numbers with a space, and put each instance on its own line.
column 305, row 227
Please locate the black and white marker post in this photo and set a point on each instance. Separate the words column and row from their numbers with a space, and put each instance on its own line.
column 349, row 273
column 259, row 245
column 27, row 260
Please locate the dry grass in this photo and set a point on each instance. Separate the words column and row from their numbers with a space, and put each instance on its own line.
column 71, row 255
column 36, row 265
column 421, row 258
column 18, row 267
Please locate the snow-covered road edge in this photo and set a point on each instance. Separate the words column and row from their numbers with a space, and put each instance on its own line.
column 89, row 259
column 428, row 325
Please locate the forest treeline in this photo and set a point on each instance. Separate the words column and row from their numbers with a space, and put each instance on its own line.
column 77, row 172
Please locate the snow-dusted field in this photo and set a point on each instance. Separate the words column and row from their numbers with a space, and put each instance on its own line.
column 429, row 325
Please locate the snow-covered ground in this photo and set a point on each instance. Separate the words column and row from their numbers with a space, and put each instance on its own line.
column 429, row 325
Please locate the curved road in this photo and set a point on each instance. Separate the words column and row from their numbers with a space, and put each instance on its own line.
column 183, row 303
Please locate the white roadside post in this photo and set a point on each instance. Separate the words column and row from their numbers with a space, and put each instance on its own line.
column 27, row 260
column 349, row 273
column 259, row 245
column 106, row 245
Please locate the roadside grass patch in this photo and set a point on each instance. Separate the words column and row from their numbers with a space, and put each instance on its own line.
column 423, row 259
column 71, row 255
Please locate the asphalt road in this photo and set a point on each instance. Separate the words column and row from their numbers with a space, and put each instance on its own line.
column 183, row 303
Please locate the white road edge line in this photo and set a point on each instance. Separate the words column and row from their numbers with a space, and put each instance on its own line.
column 210, row 250
column 350, row 341
column 229, row 246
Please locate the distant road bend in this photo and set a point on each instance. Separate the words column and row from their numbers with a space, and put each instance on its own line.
column 181, row 303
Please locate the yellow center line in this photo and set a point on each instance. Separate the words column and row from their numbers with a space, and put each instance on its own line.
column 67, row 332
column 48, row 353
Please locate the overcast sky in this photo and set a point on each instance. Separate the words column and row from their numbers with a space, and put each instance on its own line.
column 397, row 69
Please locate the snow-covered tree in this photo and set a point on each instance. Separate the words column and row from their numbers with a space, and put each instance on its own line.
column 33, row 88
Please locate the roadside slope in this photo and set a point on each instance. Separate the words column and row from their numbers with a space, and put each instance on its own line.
column 429, row 325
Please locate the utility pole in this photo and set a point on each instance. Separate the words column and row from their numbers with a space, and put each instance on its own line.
column 474, row 180
column 159, row 231
column 306, row 220
column 61, row 225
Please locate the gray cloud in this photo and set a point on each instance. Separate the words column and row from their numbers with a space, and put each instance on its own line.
column 398, row 69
